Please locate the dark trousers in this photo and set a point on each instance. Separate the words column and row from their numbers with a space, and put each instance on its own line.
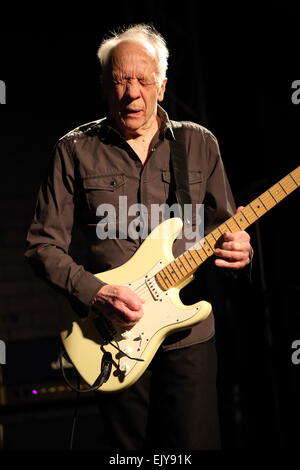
column 172, row 406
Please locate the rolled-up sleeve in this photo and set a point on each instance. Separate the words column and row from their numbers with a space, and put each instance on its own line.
column 50, row 233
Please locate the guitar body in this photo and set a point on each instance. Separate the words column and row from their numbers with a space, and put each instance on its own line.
column 164, row 313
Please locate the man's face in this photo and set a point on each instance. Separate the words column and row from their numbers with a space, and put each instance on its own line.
column 131, row 88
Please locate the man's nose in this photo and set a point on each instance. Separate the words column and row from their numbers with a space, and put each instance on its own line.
column 133, row 89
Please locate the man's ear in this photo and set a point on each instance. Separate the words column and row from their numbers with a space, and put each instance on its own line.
column 161, row 93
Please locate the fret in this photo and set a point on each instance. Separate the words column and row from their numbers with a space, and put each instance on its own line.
column 275, row 202
column 196, row 251
column 222, row 229
column 295, row 174
column 160, row 281
column 200, row 253
column 233, row 226
column 284, row 191
column 205, row 246
column 189, row 259
column 177, row 270
column 172, row 273
column 261, row 200
column 250, row 214
column 184, row 264
column 166, row 278
column 195, row 257
column 236, row 221
column 211, row 240
column 244, row 214
column 203, row 254
column 288, row 184
column 258, row 208
column 228, row 229
column 277, row 192
column 241, row 221
column 216, row 234
column 181, row 268
column 267, row 200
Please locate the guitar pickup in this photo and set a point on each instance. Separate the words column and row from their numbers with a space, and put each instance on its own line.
column 153, row 288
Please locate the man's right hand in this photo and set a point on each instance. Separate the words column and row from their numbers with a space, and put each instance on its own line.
column 120, row 304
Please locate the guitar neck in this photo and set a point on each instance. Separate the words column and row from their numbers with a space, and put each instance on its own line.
column 187, row 263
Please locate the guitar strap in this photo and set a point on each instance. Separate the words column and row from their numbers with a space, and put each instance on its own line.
column 179, row 168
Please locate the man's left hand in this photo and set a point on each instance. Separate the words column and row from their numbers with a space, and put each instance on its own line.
column 235, row 250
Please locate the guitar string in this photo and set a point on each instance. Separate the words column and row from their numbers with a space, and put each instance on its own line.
column 143, row 287
column 143, row 290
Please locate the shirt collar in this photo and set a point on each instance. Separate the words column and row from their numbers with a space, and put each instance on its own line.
column 166, row 130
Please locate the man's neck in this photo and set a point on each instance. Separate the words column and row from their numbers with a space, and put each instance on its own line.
column 141, row 143
column 144, row 134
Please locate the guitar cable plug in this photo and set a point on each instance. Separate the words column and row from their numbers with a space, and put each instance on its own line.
column 106, row 366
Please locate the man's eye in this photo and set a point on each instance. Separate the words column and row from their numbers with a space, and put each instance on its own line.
column 145, row 82
column 123, row 82
column 119, row 81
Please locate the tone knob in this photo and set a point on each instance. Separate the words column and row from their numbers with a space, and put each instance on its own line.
column 139, row 337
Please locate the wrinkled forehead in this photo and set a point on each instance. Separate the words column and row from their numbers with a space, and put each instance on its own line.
column 130, row 57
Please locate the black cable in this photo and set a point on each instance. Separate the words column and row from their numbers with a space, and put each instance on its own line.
column 106, row 365
column 75, row 416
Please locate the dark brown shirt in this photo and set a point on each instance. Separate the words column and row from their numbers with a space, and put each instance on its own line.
column 94, row 165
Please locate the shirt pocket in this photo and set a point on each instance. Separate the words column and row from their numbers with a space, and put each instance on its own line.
column 104, row 189
column 196, row 186
column 197, row 192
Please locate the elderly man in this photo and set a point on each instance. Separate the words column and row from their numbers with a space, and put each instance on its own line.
column 174, row 403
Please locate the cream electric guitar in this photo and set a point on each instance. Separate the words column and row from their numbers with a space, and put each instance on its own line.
column 157, row 277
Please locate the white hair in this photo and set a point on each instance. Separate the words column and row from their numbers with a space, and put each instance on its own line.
column 141, row 33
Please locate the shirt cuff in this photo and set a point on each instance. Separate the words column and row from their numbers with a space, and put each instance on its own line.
column 85, row 287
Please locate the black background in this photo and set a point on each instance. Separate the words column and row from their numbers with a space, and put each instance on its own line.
column 231, row 71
